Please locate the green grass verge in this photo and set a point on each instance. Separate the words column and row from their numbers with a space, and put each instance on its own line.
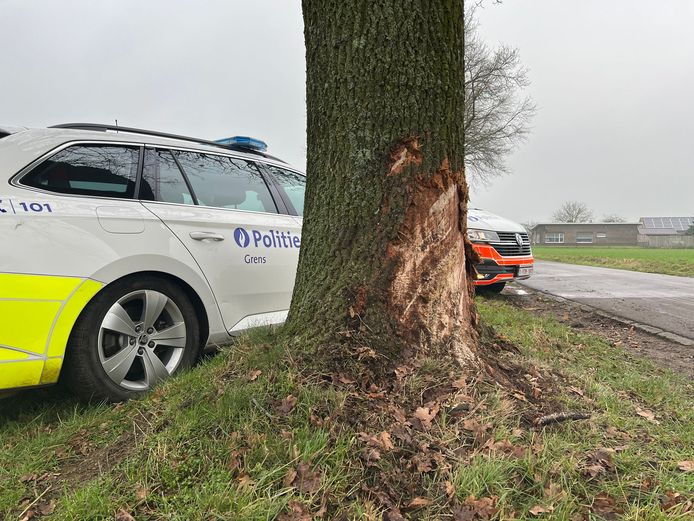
column 211, row 444
column 649, row 260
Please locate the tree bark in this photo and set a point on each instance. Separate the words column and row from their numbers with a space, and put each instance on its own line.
column 384, row 251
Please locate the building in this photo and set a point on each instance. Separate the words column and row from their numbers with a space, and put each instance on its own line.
column 580, row 234
column 666, row 232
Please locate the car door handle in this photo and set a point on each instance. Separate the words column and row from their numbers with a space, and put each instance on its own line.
column 206, row 236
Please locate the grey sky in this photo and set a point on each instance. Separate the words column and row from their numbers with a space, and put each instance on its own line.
column 203, row 68
column 614, row 82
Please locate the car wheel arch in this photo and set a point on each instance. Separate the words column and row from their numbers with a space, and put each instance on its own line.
column 195, row 299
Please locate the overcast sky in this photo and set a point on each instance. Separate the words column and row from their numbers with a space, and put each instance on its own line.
column 202, row 68
column 614, row 83
column 613, row 80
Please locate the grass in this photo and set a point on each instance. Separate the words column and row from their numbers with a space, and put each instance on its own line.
column 211, row 444
column 649, row 260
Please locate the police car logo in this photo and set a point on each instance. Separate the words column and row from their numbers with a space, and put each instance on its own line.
column 519, row 239
column 241, row 237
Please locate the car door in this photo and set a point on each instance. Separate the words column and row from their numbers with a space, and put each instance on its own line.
column 223, row 211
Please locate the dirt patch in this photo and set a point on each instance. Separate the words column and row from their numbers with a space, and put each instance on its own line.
column 663, row 352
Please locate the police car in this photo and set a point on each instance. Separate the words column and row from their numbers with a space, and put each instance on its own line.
column 125, row 252
column 503, row 247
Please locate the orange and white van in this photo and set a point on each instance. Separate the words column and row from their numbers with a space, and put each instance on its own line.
column 503, row 247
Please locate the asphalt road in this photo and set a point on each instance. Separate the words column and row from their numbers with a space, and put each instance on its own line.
column 664, row 302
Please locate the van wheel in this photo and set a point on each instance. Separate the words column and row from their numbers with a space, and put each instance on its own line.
column 133, row 335
column 491, row 289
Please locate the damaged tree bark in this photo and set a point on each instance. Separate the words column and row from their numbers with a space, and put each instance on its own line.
column 384, row 252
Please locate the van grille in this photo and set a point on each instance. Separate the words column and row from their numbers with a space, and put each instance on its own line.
column 508, row 247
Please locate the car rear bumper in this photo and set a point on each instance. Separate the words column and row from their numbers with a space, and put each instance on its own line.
column 493, row 268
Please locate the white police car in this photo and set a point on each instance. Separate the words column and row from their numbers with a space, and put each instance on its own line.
column 125, row 252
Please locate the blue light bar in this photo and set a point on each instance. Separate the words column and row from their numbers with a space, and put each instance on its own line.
column 244, row 141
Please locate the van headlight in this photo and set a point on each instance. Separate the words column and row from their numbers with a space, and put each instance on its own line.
column 482, row 236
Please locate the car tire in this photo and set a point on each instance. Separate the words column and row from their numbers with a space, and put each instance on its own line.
column 134, row 334
column 491, row 289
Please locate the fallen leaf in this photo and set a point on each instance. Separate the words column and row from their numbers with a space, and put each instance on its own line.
column 287, row 405
column 649, row 415
column 605, row 506
column 245, row 481
column 393, row 515
column 460, row 383
column 253, row 375
column 289, row 478
column 419, row 502
column 124, row 515
column 47, row 509
column 593, row 470
column 141, row 493
column 386, row 440
column 426, row 415
column 307, row 480
column 296, row 512
column 476, row 509
column 686, row 466
column 576, row 390
column 342, row 378
column 370, row 455
column 474, row 427
column 423, row 462
column 450, row 489
column 539, row 510
column 553, row 491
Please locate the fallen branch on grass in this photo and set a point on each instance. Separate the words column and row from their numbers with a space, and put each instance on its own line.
column 559, row 417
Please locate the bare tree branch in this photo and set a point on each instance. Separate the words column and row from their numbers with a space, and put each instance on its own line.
column 496, row 116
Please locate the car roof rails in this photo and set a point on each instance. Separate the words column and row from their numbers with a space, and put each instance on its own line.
column 97, row 127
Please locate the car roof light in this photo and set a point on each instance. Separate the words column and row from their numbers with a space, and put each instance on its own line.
column 244, row 141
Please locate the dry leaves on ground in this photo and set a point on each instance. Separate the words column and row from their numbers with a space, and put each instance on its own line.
column 304, row 478
column 649, row 415
column 598, row 462
column 286, row 405
column 427, row 414
column 476, row 509
column 124, row 515
column 538, row 510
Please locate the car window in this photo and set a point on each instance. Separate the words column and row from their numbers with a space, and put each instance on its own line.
column 224, row 182
column 293, row 184
column 96, row 170
column 162, row 180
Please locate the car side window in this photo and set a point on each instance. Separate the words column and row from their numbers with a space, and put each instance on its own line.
column 225, row 182
column 293, row 184
column 162, row 180
column 95, row 170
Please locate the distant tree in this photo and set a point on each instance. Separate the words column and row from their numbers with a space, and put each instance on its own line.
column 613, row 218
column 497, row 117
column 573, row 212
column 690, row 231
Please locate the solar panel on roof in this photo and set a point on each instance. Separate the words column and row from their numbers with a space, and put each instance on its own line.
column 675, row 223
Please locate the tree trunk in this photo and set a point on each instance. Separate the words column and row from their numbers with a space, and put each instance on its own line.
column 383, row 253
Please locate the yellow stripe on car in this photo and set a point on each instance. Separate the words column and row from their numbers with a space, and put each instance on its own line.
column 37, row 313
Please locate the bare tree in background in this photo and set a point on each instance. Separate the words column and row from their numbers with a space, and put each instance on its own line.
column 497, row 116
column 613, row 218
column 573, row 212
